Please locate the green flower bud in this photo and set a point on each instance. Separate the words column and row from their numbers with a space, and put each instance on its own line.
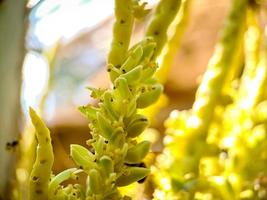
column 131, row 175
column 131, row 108
column 118, row 137
column 132, row 60
column 78, row 192
column 106, row 164
column 122, row 90
column 138, row 124
column 61, row 177
column 134, row 75
column 124, row 150
column 104, row 125
column 148, row 51
column 149, row 97
column 113, row 72
column 94, row 181
column 149, row 71
column 99, row 146
column 110, row 105
column 89, row 111
column 138, row 152
column 96, row 93
column 82, row 156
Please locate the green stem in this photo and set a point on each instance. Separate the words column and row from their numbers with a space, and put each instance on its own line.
column 176, row 31
column 164, row 14
column 218, row 70
column 42, row 168
column 246, row 95
column 122, row 31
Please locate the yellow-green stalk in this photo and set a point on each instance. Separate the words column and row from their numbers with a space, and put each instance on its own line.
column 42, row 168
column 218, row 70
column 165, row 12
column 122, row 31
column 175, row 34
